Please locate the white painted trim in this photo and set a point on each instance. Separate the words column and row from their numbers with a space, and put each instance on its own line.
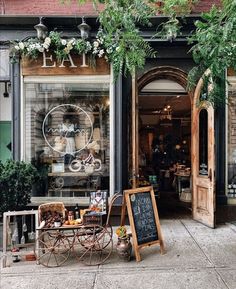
column 22, row 119
column 68, row 79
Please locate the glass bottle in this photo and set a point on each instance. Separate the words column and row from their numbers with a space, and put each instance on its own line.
column 77, row 214
column 70, row 216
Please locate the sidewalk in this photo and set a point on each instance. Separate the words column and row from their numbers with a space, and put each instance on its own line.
column 196, row 257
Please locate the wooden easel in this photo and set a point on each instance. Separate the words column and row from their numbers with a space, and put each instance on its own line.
column 127, row 202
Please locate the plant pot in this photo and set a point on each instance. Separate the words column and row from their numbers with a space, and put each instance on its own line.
column 124, row 248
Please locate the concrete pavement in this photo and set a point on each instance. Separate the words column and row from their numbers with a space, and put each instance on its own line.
column 196, row 257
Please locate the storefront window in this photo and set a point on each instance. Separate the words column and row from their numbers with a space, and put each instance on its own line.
column 67, row 132
column 231, row 152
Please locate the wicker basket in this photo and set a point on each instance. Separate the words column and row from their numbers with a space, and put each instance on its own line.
column 53, row 207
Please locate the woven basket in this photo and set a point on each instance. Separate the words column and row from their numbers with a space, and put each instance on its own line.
column 53, row 207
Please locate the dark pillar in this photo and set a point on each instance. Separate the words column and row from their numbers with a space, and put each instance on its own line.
column 118, row 135
column 16, row 121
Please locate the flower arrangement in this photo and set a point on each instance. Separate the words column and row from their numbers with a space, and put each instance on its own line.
column 121, row 232
column 60, row 46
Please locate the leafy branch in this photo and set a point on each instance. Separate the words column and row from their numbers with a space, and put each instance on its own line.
column 214, row 48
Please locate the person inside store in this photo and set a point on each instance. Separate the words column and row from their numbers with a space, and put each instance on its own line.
column 67, row 130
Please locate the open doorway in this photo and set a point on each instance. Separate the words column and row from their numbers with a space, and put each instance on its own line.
column 165, row 144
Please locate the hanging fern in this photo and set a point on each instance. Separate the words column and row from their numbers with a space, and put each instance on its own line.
column 214, row 48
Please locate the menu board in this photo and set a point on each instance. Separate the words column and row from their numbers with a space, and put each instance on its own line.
column 143, row 218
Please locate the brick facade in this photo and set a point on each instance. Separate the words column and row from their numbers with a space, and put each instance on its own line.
column 55, row 7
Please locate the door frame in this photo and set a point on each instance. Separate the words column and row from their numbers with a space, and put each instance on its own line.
column 203, row 185
column 160, row 72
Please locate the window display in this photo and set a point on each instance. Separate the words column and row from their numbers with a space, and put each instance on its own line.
column 67, row 136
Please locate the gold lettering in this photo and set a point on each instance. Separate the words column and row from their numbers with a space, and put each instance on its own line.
column 68, row 58
column 45, row 61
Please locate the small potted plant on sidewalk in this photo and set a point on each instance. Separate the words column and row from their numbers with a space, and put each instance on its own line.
column 123, row 246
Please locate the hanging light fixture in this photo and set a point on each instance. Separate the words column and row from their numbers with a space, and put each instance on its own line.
column 41, row 29
column 6, row 93
column 6, row 86
column 84, row 29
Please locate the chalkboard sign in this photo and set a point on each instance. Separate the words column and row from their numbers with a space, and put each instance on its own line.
column 144, row 219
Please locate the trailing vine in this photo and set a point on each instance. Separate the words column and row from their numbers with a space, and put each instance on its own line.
column 214, row 48
column 120, row 42
column 118, row 39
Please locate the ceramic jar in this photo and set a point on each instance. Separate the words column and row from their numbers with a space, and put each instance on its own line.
column 124, row 248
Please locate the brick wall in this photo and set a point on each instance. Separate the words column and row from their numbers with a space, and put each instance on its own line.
column 54, row 7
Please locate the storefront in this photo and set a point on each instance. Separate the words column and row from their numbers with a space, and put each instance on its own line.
column 66, row 126
column 85, row 132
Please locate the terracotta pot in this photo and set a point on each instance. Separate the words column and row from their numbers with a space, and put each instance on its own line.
column 124, row 248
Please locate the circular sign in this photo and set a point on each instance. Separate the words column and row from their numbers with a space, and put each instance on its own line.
column 64, row 124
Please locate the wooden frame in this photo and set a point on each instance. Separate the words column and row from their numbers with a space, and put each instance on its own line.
column 6, row 220
column 127, row 202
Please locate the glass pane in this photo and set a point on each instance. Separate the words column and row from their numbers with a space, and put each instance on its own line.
column 231, row 192
column 203, row 142
column 67, row 137
column 4, row 67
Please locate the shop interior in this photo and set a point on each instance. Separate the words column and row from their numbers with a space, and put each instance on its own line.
column 165, row 142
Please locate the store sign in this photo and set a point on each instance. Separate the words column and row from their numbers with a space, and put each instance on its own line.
column 68, row 61
column 48, row 64
column 67, row 129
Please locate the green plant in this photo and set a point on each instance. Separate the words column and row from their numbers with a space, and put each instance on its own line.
column 171, row 28
column 214, row 48
column 16, row 181
column 121, row 232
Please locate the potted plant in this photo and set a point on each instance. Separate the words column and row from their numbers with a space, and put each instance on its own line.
column 123, row 246
column 16, row 181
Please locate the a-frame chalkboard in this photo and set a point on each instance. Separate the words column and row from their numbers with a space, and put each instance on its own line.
column 143, row 218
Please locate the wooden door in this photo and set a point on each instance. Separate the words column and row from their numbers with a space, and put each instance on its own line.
column 203, row 159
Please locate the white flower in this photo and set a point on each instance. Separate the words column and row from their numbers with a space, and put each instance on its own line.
column 21, row 45
column 47, row 40
column 41, row 49
column 101, row 52
column 95, row 44
column 71, row 42
column 118, row 48
column 63, row 42
column 46, row 46
column 69, row 46
column 109, row 50
column 17, row 47
column 88, row 45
